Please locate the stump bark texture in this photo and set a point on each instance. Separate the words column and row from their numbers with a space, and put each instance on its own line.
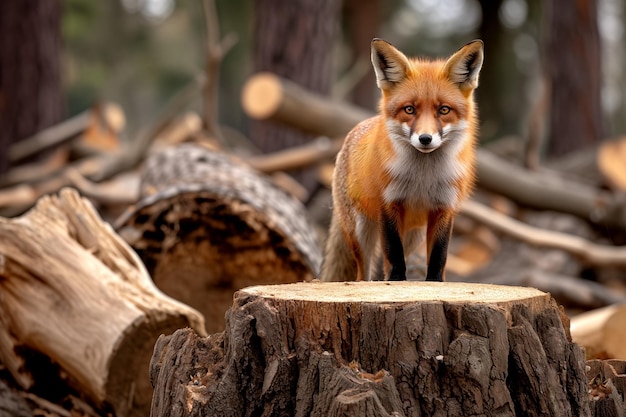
column 209, row 225
column 376, row 349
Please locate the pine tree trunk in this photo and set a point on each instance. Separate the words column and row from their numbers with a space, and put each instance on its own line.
column 377, row 349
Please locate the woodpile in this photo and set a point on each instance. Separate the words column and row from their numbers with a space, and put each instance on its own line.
column 208, row 225
column 81, row 303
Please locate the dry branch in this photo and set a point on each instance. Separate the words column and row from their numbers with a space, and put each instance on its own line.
column 297, row 157
column 592, row 253
column 75, row 292
column 110, row 115
column 216, row 50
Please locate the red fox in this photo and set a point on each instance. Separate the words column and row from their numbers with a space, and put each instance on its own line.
column 404, row 173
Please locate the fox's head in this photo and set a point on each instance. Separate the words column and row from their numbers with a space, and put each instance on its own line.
column 427, row 102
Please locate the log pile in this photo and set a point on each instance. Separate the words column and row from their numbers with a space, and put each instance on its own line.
column 203, row 223
column 208, row 226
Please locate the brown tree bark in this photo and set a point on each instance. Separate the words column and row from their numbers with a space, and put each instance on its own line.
column 574, row 65
column 208, row 225
column 363, row 20
column 31, row 98
column 295, row 39
column 377, row 349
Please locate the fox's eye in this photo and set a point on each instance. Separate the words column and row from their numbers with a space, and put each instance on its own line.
column 444, row 110
column 409, row 109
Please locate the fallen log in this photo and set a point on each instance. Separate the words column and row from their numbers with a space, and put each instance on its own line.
column 266, row 96
column 208, row 225
column 77, row 307
column 376, row 349
column 285, row 101
column 601, row 331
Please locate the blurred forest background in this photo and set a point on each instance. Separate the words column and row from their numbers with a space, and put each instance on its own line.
column 139, row 53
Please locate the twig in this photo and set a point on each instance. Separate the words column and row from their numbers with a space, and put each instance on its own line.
column 135, row 152
column 587, row 251
column 108, row 114
column 216, row 50
column 297, row 157
column 50, row 137
column 121, row 191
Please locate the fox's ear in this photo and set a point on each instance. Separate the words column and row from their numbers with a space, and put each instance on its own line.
column 463, row 67
column 389, row 64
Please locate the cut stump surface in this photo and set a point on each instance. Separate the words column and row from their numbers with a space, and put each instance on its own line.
column 377, row 349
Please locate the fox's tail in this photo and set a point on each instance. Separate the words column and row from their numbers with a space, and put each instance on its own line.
column 339, row 263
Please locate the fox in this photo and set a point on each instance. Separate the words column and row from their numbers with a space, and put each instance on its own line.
column 401, row 176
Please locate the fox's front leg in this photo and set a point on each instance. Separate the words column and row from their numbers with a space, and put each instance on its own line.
column 393, row 252
column 438, row 237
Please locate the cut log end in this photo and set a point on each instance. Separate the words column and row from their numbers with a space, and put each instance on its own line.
column 262, row 96
column 397, row 292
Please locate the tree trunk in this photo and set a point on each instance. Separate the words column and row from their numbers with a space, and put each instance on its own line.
column 575, row 76
column 31, row 98
column 363, row 20
column 208, row 226
column 295, row 39
column 377, row 349
column 78, row 309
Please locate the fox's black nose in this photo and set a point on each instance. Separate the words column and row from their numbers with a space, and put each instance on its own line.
column 425, row 139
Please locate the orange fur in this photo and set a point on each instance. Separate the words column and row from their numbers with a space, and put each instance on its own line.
column 407, row 169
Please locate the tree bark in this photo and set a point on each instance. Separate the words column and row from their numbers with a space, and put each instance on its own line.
column 208, row 226
column 294, row 39
column 363, row 19
column 77, row 307
column 376, row 349
column 575, row 76
column 31, row 97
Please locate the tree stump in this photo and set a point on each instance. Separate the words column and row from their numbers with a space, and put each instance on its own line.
column 78, row 311
column 376, row 349
column 209, row 225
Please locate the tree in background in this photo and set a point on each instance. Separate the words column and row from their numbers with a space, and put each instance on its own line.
column 363, row 20
column 575, row 75
column 31, row 96
column 294, row 39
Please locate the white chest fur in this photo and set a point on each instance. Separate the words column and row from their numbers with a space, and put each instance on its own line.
column 426, row 179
